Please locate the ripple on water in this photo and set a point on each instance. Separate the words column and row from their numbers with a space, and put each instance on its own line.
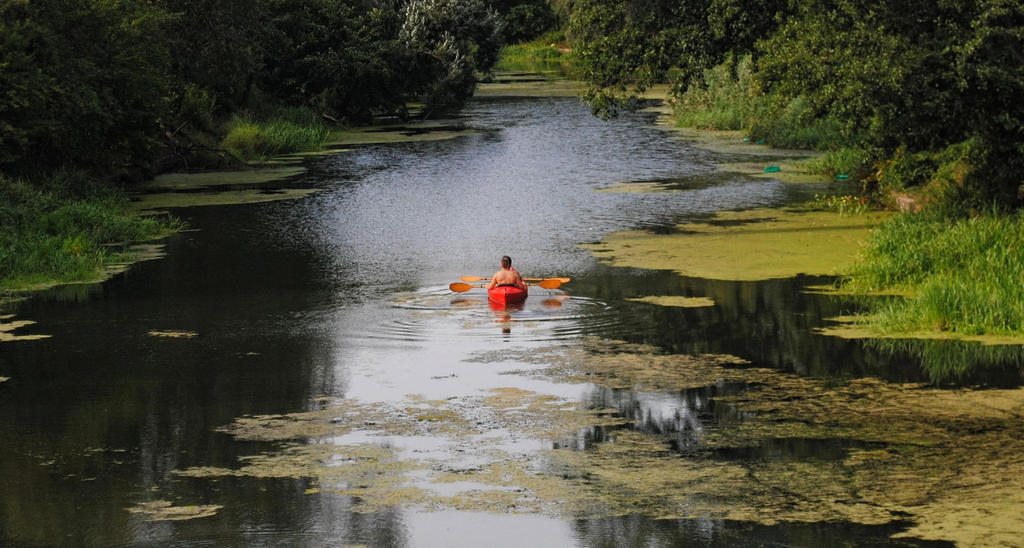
column 437, row 313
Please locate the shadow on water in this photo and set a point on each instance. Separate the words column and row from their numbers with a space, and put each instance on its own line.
column 771, row 323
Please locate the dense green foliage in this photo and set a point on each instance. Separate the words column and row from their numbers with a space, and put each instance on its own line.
column 120, row 86
column 63, row 231
column 963, row 276
column 525, row 19
column 83, row 83
column 925, row 95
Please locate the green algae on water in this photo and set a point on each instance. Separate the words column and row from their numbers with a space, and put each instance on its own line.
column 173, row 334
column 400, row 133
column 218, row 188
column 756, row 244
column 851, row 327
column 212, row 179
column 197, row 199
column 513, row 84
column 7, row 330
column 951, row 462
column 677, row 301
column 162, row 510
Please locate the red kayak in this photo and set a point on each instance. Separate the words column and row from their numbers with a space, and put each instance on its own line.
column 506, row 294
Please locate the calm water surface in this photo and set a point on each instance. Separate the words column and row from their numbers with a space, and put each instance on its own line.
column 342, row 295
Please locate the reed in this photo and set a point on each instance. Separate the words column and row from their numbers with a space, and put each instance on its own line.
column 250, row 139
column 962, row 276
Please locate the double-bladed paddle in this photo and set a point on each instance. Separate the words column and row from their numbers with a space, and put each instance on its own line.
column 479, row 279
column 549, row 283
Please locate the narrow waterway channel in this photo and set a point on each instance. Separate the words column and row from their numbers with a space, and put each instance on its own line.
column 297, row 372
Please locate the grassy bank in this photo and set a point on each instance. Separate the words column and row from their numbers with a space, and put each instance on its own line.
column 962, row 276
column 255, row 139
column 548, row 53
column 66, row 230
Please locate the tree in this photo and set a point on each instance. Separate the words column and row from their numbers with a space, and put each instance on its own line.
column 626, row 46
column 453, row 41
column 83, row 84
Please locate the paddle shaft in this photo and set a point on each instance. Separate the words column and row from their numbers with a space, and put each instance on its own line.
column 550, row 283
column 481, row 279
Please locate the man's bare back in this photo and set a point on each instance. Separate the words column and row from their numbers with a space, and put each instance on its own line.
column 506, row 276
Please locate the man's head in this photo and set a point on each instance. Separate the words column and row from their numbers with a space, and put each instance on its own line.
column 506, row 262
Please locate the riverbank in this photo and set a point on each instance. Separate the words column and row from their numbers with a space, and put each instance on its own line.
column 70, row 230
column 953, row 278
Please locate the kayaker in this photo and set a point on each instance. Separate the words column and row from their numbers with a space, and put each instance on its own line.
column 507, row 276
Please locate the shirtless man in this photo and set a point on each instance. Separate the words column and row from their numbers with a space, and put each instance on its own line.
column 507, row 276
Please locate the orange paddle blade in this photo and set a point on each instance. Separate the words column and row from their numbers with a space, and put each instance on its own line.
column 459, row 287
column 550, row 283
column 472, row 278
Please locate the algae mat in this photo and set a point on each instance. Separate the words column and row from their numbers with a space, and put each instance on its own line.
column 951, row 462
column 194, row 181
column 756, row 244
column 7, row 330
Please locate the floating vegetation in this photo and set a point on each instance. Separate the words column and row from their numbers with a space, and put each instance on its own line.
column 850, row 328
column 198, row 199
column 213, row 179
column 218, row 188
column 748, row 245
column 135, row 253
column 676, row 301
column 529, row 85
column 162, row 510
column 173, row 334
column 801, row 450
column 640, row 187
column 400, row 133
column 7, row 329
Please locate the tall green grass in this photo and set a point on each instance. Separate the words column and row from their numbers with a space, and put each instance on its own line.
column 62, row 230
column 726, row 100
column 548, row 53
column 964, row 276
column 288, row 130
column 730, row 98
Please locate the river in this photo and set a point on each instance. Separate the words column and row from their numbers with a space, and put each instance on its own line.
column 298, row 373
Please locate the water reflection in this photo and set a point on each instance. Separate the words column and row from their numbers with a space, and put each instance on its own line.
column 772, row 324
column 681, row 418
